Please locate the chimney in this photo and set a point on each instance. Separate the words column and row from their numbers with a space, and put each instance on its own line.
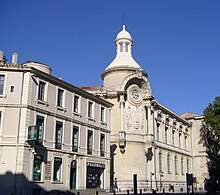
column 1, row 58
column 14, row 58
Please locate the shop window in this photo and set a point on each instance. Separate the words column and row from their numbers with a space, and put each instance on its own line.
column 75, row 138
column 37, row 168
column 57, row 169
column 58, row 136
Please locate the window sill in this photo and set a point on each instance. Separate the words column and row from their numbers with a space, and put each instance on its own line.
column 76, row 114
column 3, row 96
column 91, row 119
column 60, row 108
column 42, row 102
column 57, row 182
column 103, row 123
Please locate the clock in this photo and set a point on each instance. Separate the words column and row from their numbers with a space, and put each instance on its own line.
column 134, row 93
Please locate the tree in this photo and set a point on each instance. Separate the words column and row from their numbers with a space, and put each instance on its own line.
column 210, row 137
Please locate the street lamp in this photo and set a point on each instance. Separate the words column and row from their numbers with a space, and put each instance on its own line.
column 161, row 175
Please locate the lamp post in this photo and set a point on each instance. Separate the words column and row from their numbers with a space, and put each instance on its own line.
column 151, row 174
column 161, row 175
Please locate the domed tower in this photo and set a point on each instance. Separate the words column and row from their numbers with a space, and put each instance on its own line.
column 127, row 87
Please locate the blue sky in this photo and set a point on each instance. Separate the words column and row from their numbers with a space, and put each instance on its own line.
column 177, row 42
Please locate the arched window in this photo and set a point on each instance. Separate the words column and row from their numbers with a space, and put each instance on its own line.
column 168, row 163
column 175, row 165
column 160, row 162
column 182, row 166
column 187, row 165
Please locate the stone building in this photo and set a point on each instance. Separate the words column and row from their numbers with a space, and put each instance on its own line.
column 53, row 135
column 63, row 137
column 147, row 138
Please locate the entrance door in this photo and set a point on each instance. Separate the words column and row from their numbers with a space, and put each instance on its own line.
column 73, row 175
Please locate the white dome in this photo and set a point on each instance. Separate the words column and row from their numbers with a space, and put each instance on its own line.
column 123, row 34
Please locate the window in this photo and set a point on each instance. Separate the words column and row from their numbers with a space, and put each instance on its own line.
column 187, row 165
column 160, row 163
column 2, row 80
column 76, row 104
column 41, row 91
column 158, row 131
column 165, row 136
column 175, row 165
column 0, row 118
column 168, row 164
column 60, row 98
column 121, row 47
column 58, row 136
column 90, row 109
column 126, row 47
column 180, row 140
column 37, row 168
column 40, row 123
column 75, row 138
column 102, row 145
column 89, row 142
column 182, row 166
column 102, row 114
column 57, row 169
column 185, row 142
column 173, row 137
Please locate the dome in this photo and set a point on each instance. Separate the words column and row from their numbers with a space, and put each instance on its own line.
column 123, row 34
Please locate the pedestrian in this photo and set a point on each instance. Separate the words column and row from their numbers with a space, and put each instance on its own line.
column 116, row 184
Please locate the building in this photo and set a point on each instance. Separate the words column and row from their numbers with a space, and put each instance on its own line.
column 63, row 137
column 53, row 135
column 147, row 139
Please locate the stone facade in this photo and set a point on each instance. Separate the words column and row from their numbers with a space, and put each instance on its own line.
column 71, row 149
column 147, row 138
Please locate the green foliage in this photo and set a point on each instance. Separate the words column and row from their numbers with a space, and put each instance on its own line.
column 210, row 136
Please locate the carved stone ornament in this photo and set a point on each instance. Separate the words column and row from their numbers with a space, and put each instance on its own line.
column 135, row 119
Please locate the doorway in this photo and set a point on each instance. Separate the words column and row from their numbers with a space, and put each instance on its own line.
column 73, row 175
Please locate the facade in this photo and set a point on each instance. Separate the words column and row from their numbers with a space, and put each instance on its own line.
column 53, row 135
column 147, row 139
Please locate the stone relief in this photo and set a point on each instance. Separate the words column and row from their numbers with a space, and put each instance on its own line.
column 135, row 119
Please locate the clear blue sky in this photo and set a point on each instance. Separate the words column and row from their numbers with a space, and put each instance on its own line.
column 177, row 42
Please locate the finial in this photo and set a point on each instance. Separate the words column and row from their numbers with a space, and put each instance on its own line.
column 123, row 27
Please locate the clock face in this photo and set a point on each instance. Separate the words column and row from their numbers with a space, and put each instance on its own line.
column 135, row 94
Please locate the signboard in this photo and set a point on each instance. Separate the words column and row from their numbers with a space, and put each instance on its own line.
column 33, row 132
column 48, row 171
column 96, row 165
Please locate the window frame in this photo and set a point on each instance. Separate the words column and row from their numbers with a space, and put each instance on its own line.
column 60, row 170
column 2, row 84
column 90, row 141
column 40, row 117
column 76, row 107
column 58, row 145
column 102, row 144
column 41, row 168
column 90, row 109
column 75, row 147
